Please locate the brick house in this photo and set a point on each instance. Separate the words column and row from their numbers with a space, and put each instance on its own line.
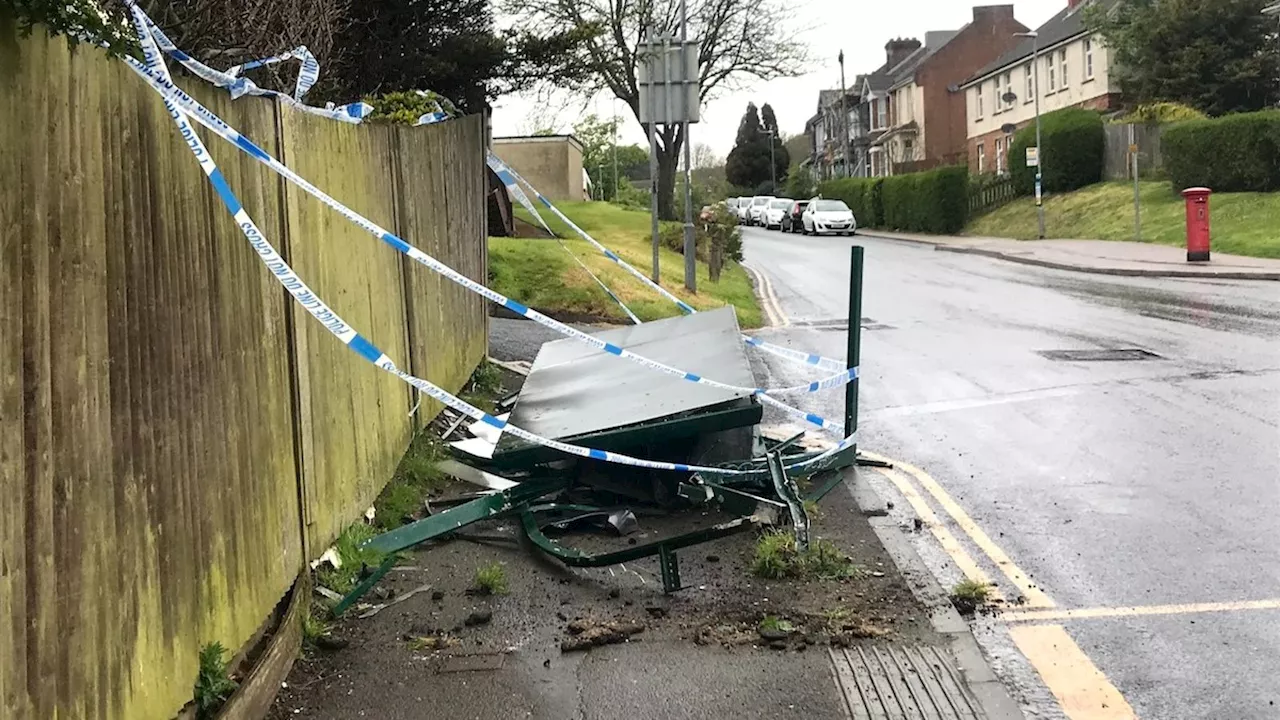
column 1073, row 71
column 917, row 112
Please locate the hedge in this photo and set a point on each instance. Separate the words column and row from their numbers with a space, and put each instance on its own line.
column 936, row 201
column 1074, row 143
column 1236, row 153
column 862, row 195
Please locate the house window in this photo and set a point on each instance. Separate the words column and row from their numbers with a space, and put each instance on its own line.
column 1088, row 58
column 908, row 151
column 982, row 158
column 1031, row 84
column 1008, row 88
column 981, row 104
column 999, row 156
column 1062, row 66
column 881, row 112
column 999, row 104
column 1053, row 73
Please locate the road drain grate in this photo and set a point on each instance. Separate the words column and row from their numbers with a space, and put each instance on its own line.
column 1117, row 355
column 840, row 324
column 890, row 682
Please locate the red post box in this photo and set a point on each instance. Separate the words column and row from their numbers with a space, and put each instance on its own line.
column 1197, row 223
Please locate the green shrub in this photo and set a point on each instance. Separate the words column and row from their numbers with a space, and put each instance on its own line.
column 722, row 228
column 1236, row 153
column 405, row 107
column 1074, row 143
column 1161, row 113
column 935, row 201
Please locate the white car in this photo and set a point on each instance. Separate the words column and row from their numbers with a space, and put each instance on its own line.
column 744, row 204
column 828, row 216
column 758, row 205
column 775, row 211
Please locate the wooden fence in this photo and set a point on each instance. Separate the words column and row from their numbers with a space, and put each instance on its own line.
column 1118, row 162
column 176, row 437
column 988, row 192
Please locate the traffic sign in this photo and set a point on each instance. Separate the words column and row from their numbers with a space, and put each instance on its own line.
column 1033, row 157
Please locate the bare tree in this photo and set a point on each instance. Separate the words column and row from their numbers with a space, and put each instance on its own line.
column 738, row 39
column 705, row 157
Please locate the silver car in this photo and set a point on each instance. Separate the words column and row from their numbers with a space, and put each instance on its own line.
column 759, row 204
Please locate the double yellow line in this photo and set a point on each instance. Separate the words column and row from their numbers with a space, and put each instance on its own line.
column 768, row 299
column 1081, row 689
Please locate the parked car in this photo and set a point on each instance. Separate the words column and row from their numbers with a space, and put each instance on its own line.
column 774, row 212
column 828, row 216
column 792, row 222
column 744, row 206
column 758, row 205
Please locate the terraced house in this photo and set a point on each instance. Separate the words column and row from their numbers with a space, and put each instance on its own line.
column 915, row 109
column 1072, row 70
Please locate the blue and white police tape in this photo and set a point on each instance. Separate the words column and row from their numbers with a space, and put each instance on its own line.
column 512, row 180
column 189, row 105
column 239, row 86
column 356, row 112
column 358, row 343
column 308, row 74
column 505, row 174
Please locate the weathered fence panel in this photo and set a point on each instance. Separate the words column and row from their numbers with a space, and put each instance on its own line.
column 147, row 464
column 1118, row 162
column 163, row 404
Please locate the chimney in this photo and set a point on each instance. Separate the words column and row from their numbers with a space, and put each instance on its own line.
column 1073, row 4
column 993, row 13
column 897, row 50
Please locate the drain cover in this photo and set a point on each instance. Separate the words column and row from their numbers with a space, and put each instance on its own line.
column 891, row 682
column 1118, row 355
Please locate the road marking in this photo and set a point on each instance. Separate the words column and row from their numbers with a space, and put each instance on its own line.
column 1017, row 616
column 959, row 555
column 767, row 299
column 1033, row 595
column 1080, row 687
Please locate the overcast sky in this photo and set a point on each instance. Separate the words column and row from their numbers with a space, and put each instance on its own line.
column 859, row 27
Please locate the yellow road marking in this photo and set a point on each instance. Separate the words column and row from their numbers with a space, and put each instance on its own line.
column 1139, row 611
column 1080, row 687
column 1035, row 597
column 769, row 301
column 783, row 320
column 948, row 541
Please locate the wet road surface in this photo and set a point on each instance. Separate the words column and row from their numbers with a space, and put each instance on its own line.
column 1146, row 491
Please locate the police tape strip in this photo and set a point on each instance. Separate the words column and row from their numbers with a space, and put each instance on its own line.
column 356, row 112
column 513, row 180
column 352, row 113
column 308, row 74
column 347, row 334
column 190, row 106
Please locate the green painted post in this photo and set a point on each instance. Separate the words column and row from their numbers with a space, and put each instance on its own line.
column 854, row 351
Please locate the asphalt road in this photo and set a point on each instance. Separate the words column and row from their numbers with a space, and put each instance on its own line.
column 1146, row 484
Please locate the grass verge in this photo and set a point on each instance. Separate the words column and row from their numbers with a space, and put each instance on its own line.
column 1243, row 223
column 540, row 274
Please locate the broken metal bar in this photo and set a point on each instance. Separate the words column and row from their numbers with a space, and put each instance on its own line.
column 576, row 558
column 821, row 491
column 365, row 585
column 669, row 562
column 868, row 462
column 735, row 502
column 454, row 518
column 790, row 494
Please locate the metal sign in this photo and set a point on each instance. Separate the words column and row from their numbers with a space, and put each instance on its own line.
column 667, row 73
column 1033, row 157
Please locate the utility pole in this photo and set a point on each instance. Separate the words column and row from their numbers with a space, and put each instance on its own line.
column 844, row 118
column 690, row 244
column 653, row 160
column 615, row 148
column 1035, row 80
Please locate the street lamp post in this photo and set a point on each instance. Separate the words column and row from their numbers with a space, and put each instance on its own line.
column 1035, row 89
column 844, row 119
column 773, row 165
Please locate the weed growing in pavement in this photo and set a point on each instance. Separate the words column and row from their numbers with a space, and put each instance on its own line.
column 776, row 558
column 485, row 385
column 416, row 477
column 770, row 623
column 490, row 579
column 313, row 628
column 354, row 558
column 213, row 685
column 969, row 595
column 812, row 510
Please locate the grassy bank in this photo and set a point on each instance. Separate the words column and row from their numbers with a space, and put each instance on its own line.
column 1243, row 223
column 539, row 273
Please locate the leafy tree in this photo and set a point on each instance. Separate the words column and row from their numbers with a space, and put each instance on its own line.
column 748, row 162
column 737, row 40
column 1219, row 57
column 599, row 143
column 449, row 46
column 800, row 184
